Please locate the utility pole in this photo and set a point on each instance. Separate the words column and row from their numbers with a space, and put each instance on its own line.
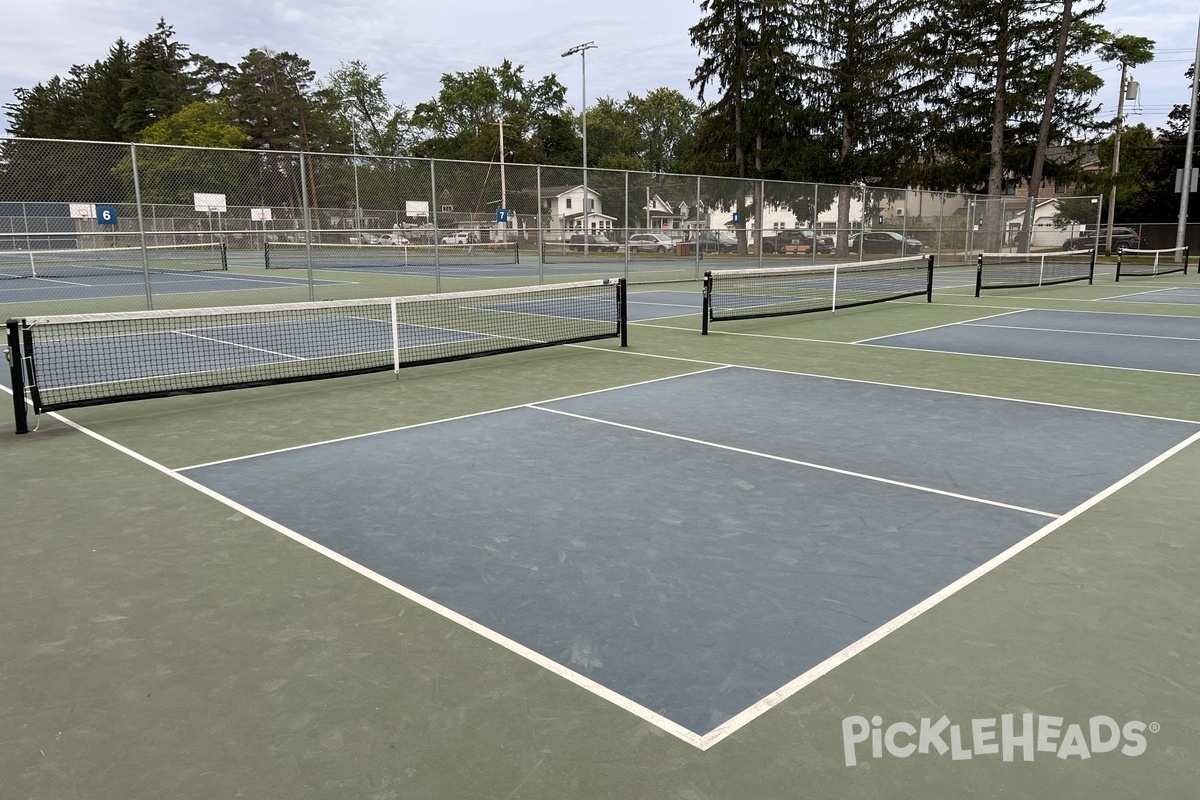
column 582, row 50
column 1181, row 231
column 1116, row 163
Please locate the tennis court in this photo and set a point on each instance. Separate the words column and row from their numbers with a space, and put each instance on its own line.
column 777, row 561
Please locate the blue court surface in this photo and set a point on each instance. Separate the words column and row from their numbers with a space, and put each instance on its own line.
column 1178, row 295
column 660, row 304
column 130, row 284
column 1130, row 341
column 691, row 545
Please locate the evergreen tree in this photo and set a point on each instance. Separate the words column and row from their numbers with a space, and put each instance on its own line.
column 159, row 82
column 748, row 61
column 861, row 74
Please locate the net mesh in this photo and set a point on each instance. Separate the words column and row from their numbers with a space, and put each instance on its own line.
column 112, row 260
column 749, row 293
column 76, row 360
column 1146, row 263
column 294, row 255
column 1014, row 270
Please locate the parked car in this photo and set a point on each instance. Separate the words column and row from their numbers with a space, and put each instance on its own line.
column 651, row 243
column 393, row 239
column 885, row 242
column 364, row 238
column 1121, row 237
column 595, row 241
column 457, row 237
column 717, row 242
column 799, row 241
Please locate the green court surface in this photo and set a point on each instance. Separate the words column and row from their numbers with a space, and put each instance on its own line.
column 159, row 642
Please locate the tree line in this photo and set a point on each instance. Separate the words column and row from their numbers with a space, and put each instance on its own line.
column 954, row 95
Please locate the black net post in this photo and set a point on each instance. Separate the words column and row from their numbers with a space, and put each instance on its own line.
column 929, row 290
column 706, row 306
column 979, row 276
column 17, row 375
column 623, row 310
column 266, row 253
column 1092, row 266
column 1120, row 256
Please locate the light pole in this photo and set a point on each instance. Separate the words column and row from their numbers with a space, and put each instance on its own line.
column 582, row 50
column 354, row 166
column 1116, row 165
column 1186, row 185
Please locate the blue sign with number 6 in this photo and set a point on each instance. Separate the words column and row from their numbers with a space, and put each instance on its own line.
column 106, row 215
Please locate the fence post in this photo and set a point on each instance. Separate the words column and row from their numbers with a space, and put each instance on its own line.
column 541, row 242
column 312, row 291
column 137, row 199
column 437, row 239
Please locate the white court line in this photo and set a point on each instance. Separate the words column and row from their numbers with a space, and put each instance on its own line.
column 1108, row 313
column 1133, row 414
column 974, row 324
column 1030, row 360
column 714, row 368
column 670, row 305
column 796, row 462
column 943, row 325
column 619, row 700
column 775, row 698
column 237, row 344
column 1142, row 294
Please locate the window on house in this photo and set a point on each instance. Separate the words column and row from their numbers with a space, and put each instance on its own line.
column 448, row 209
column 1010, row 187
column 568, row 202
column 1059, row 187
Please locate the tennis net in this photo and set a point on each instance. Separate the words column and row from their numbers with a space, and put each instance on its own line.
column 295, row 255
column 112, row 260
column 1145, row 263
column 80, row 360
column 1015, row 270
column 751, row 293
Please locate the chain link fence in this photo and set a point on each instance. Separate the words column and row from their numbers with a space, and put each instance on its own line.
column 95, row 226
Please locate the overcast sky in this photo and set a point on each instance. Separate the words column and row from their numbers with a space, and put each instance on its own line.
column 641, row 44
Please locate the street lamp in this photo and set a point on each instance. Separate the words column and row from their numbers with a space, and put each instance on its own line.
column 582, row 50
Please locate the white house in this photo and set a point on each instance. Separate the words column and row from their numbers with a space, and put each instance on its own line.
column 564, row 212
column 1045, row 232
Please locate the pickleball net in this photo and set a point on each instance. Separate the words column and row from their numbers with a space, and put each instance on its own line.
column 1148, row 263
column 66, row 361
column 78, row 263
column 754, row 293
column 1018, row 270
column 296, row 255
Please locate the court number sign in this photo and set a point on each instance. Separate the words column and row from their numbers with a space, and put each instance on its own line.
column 106, row 215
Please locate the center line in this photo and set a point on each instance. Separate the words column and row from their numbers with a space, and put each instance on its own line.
column 822, row 467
